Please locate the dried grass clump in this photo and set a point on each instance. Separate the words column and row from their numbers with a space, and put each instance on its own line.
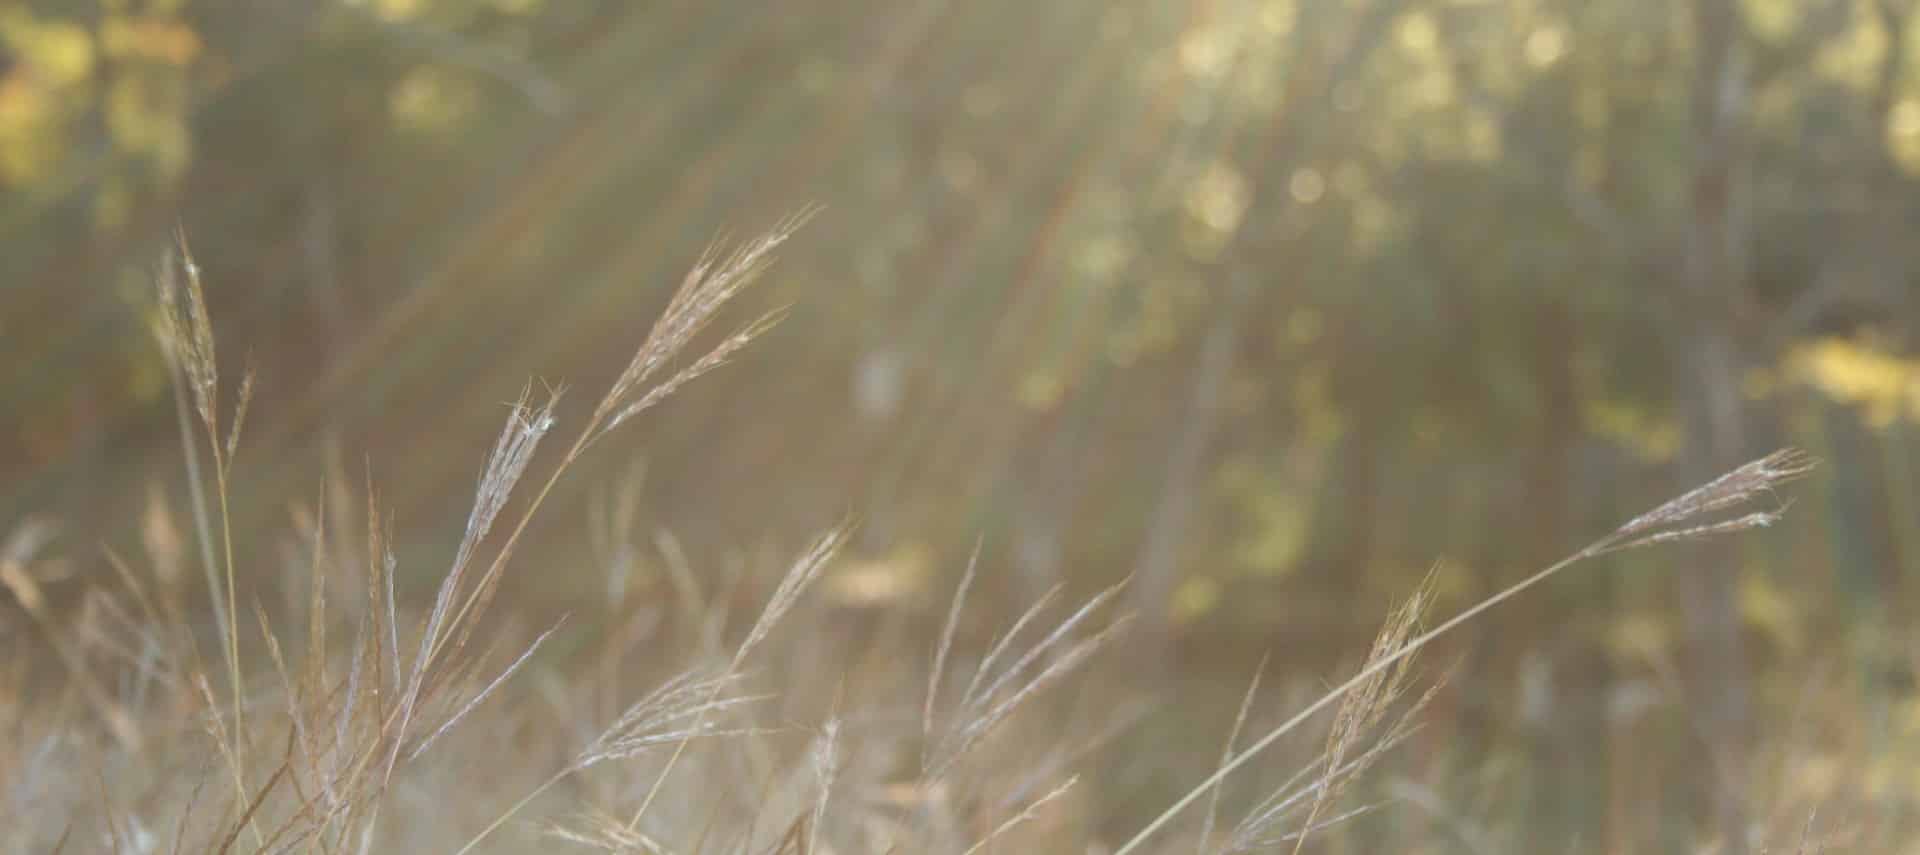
column 345, row 726
column 384, row 731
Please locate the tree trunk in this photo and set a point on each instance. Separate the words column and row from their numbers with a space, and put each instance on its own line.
column 1157, row 573
column 1286, row 144
column 1709, row 399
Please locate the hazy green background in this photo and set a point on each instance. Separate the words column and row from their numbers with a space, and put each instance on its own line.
column 1273, row 304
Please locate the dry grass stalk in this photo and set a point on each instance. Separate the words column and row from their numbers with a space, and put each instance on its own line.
column 826, row 764
column 986, row 703
column 1226, row 754
column 347, row 733
column 1363, row 707
column 682, row 709
column 18, row 578
column 1678, row 517
column 606, row 833
column 699, row 299
column 675, row 713
column 942, row 650
column 187, row 333
column 1025, row 815
column 458, row 606
column 801, row 575
column 713, row 281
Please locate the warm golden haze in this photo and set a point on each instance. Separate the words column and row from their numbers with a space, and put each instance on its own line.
column 933, row 426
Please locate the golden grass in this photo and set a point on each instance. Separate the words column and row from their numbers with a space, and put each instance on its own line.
column 390, row 730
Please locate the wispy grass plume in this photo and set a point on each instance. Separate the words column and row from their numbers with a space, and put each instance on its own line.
column 1680, row 517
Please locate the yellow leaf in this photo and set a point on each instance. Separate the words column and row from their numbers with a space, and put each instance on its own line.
column 1765, row 606
column 1195, row 598
column 58, row 53
column 1883, row 385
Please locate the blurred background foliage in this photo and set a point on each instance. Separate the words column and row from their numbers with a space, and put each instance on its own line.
column 1271, row 303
